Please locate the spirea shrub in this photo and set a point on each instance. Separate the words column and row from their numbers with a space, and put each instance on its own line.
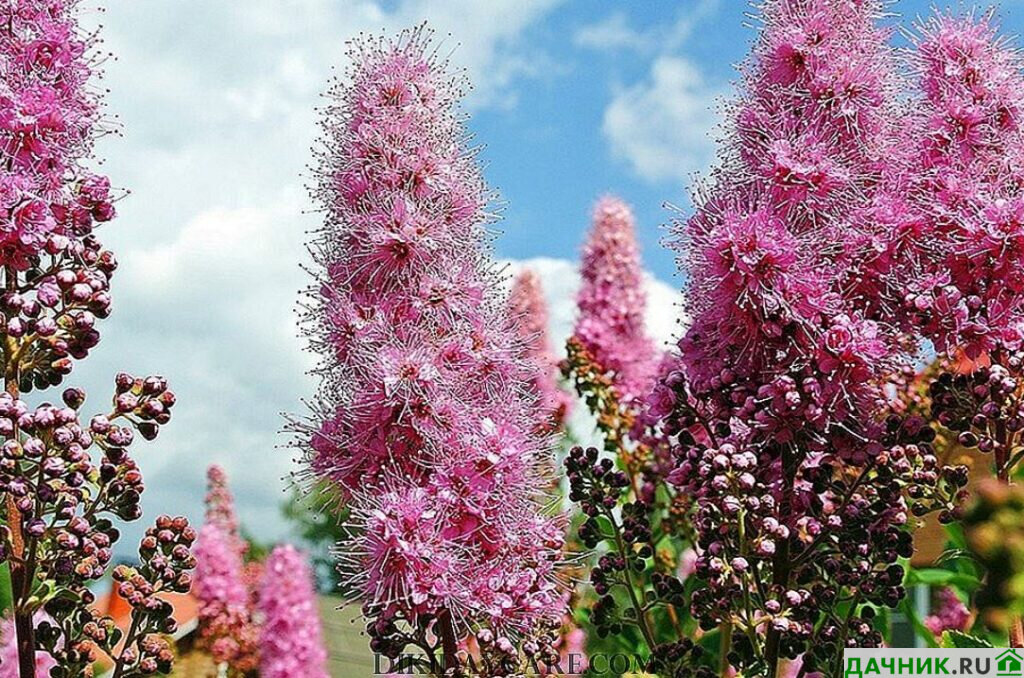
column 612, row 302
column 966, row 171
column 66, row 477
column 291, row 640
column 427, row 417
column 804, row 487
column 758, row 487
column 227, row 628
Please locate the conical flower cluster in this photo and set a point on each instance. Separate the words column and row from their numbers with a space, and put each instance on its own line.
column 428, row 409
column 777, row 247
column 526, row 304
column 48, row 120
column 968, row 168
column 612, row 302
column 796, row 257
column 225, row 615
column 291, row 640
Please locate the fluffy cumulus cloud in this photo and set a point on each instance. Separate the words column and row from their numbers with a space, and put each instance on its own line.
column 663, row 125
column 611, row 33
column 615, row 32
column 660, row 126
column 215, row 102
column 212, row 309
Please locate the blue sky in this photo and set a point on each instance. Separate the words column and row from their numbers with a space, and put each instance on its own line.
column 552, row 152
column 214, row 103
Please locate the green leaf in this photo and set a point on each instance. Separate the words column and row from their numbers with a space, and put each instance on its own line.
column 960, row 639
column 955, row 532
column 950, row 555
column 933, row 576
column 6, row 592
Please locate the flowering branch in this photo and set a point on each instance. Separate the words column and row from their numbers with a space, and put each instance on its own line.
column 55, row 288
column 429, row 420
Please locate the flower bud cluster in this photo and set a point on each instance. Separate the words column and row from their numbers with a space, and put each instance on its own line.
column 67, row 480
column 75, row 634
column 833, row 522
column 859, row 630
column 677, row 659
column 51, row 319
column 984, row 409
column 502, row 657
column 166, row 565
column 526, row 303
column 629, row 571
column 60, row 490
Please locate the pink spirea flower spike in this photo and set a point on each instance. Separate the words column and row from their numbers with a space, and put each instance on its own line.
column 526, row 304
column 949, row 613
column 291, row 641
column 221, row 592
column 612, row 301
column 798, row 256
column 224, row 584
column 968, row 170
column 428, row 419
column 794, row 224
column 220, row 505
column 49, row 116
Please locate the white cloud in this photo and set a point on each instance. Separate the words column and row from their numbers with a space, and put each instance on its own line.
column 485, row 39
column 212, row 309
column 662, row 126
column 612, row 32
column 215, row 101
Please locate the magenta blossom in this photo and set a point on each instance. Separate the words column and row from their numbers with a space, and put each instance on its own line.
column 291, row 640
column 969, row 164
column 612, row 301
column 428, row 421
column 949, row 614
column 49, row 116
column 220, row 506
column 224, row 614
column 798, row 258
